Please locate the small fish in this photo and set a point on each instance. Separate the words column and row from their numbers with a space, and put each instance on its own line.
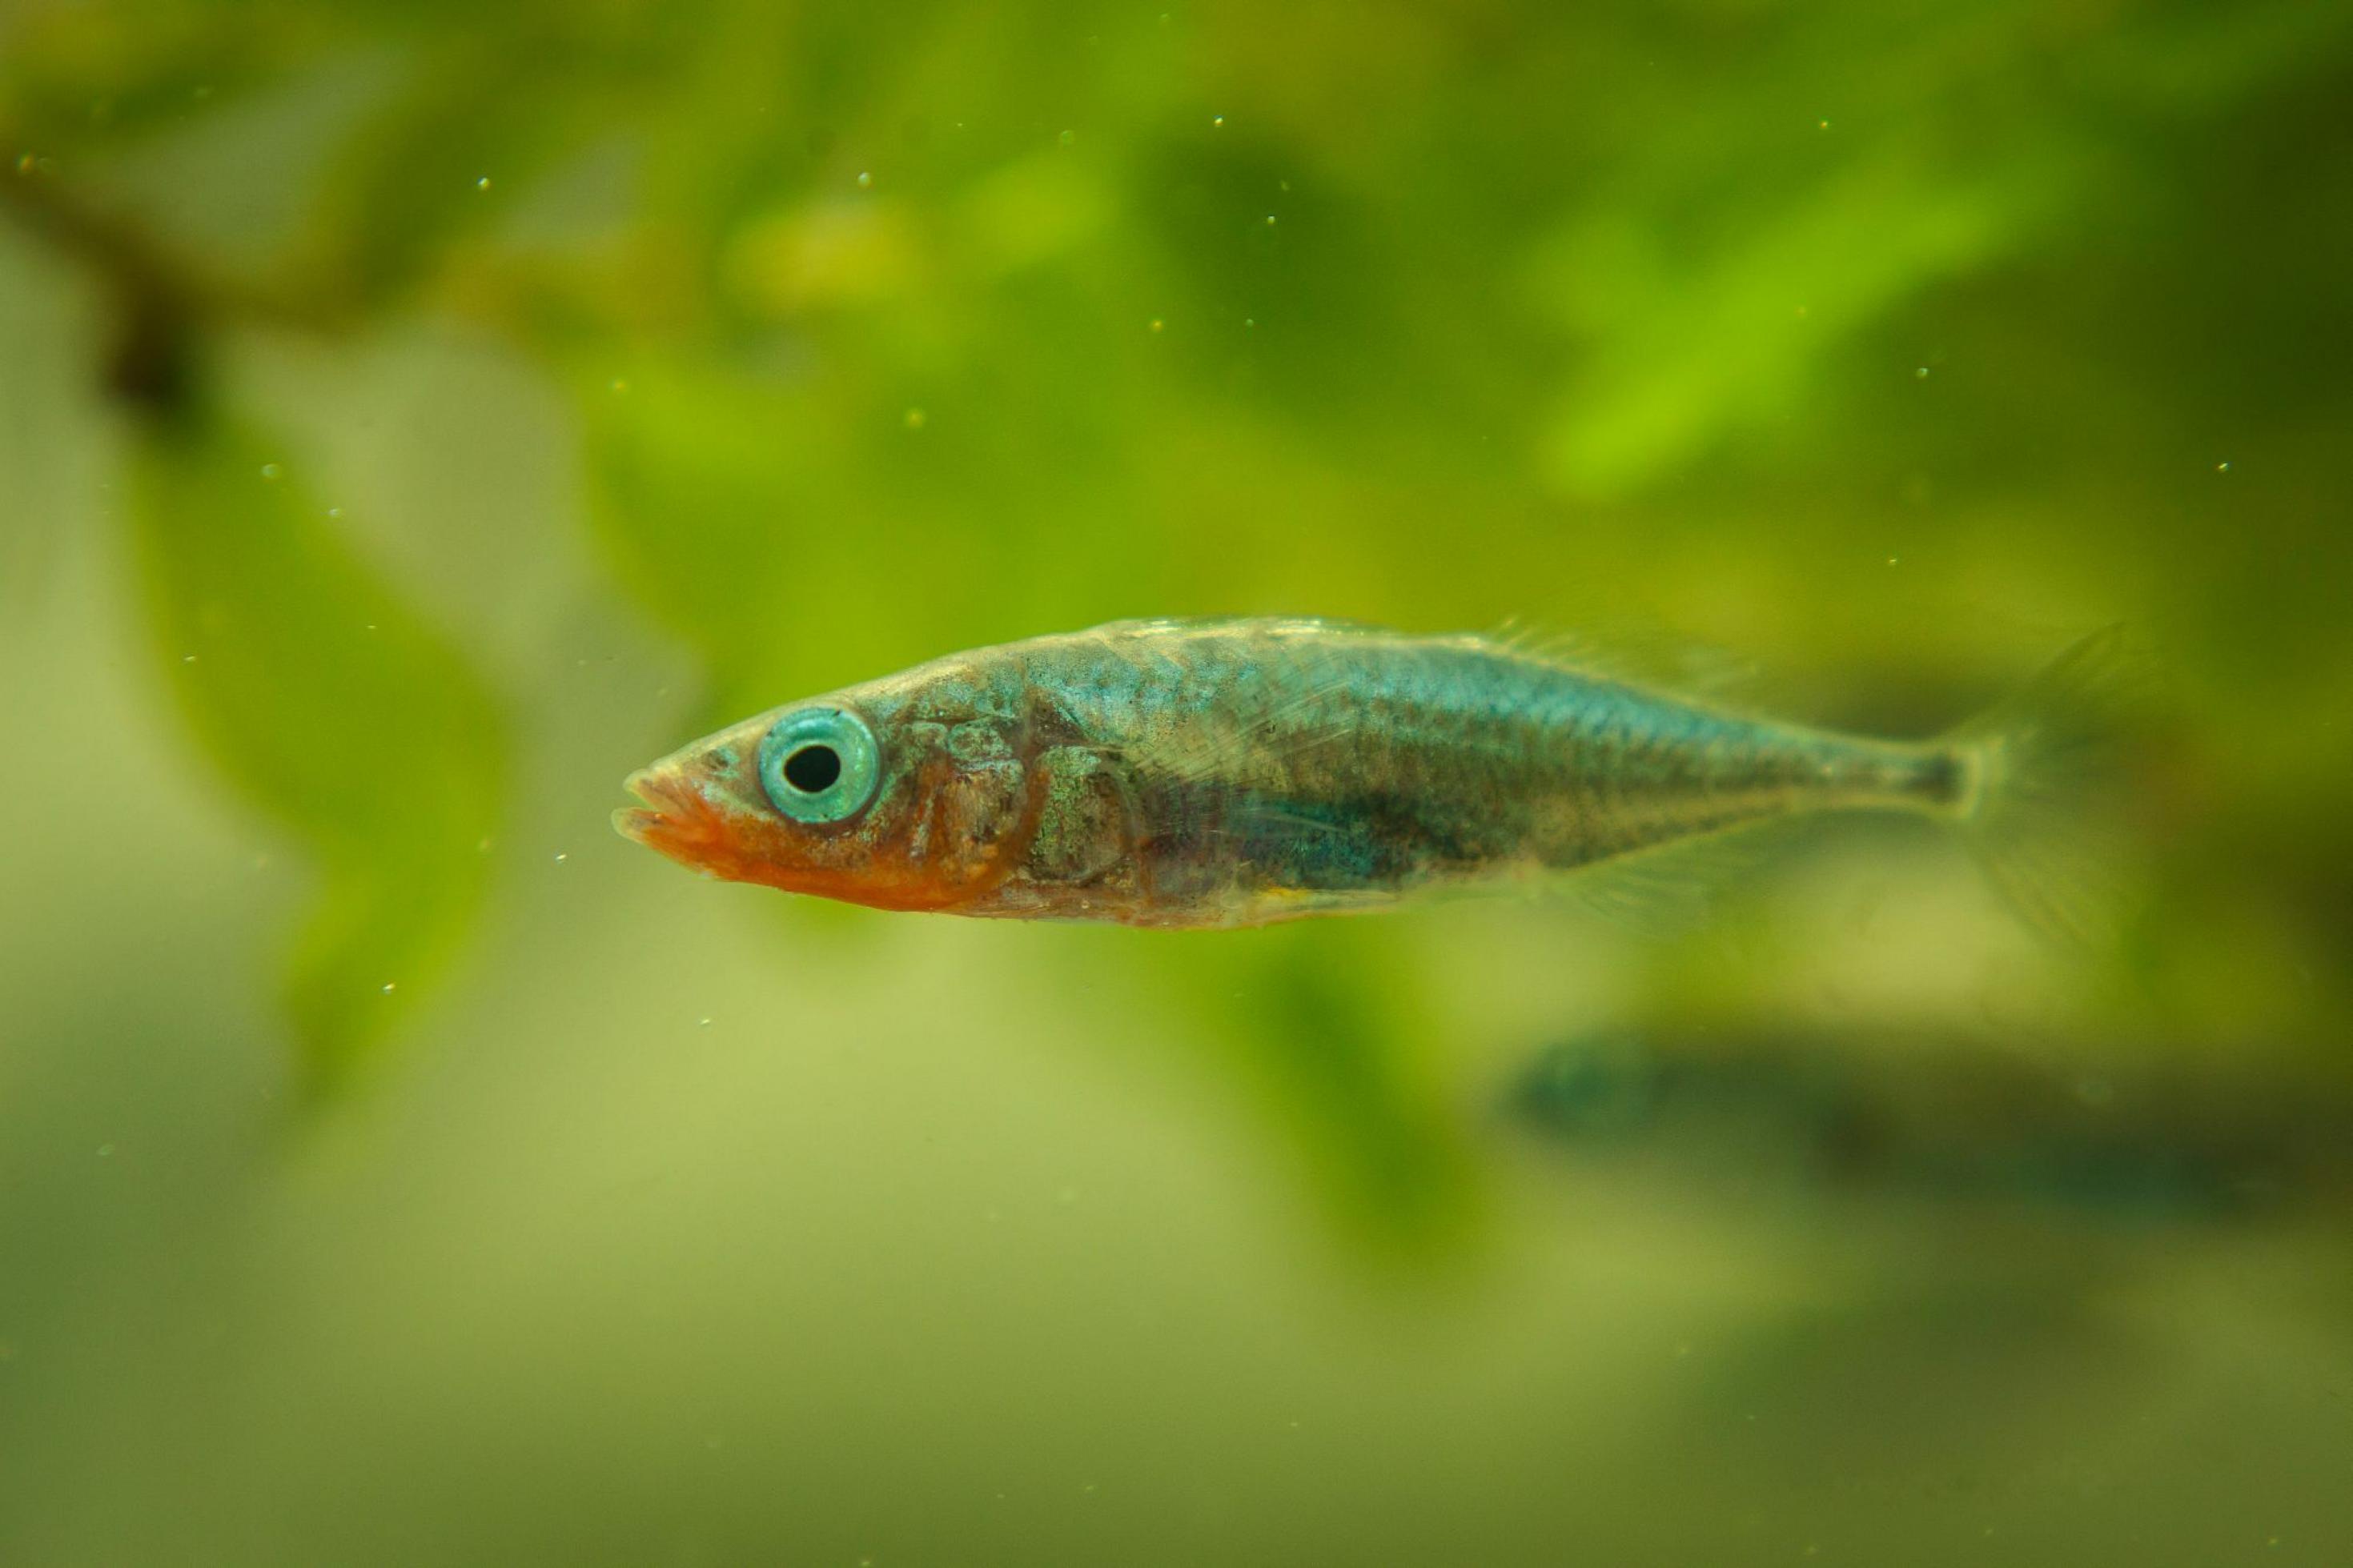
column 1231, row 773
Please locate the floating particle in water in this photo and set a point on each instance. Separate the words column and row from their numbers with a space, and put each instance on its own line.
column 703, row 1023
column 1920, row 374
column 1826, row 125
column 865, row 179
column 483, row 183
column 561, row 858
column 104, row 1150
column 2221, row 467
column 1155, row 324
column 1068, row 137
column 271, row 471
column 334, row 512
column 915, row 417
column 1270, row 220
column 619, row 385
column 388, row 985
column 1217, row 119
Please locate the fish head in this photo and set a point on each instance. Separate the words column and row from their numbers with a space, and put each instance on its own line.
column 896, row 795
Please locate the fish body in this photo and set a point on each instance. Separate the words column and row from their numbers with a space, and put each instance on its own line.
column 1230, row 772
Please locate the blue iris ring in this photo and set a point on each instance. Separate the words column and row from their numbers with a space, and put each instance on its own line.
column 819, row 766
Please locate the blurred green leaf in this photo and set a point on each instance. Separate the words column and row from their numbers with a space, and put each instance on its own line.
column 1310, row 1018
column 331, row 708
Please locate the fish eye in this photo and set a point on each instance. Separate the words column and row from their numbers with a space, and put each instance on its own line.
column 813, row 768
column 819, row 765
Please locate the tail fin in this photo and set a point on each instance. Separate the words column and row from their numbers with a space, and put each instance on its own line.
column 2045, row 767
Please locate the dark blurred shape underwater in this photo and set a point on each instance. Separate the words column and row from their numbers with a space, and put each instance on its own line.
column 2145, row 1139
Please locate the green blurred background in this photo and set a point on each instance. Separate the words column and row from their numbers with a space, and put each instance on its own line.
column 413, row 417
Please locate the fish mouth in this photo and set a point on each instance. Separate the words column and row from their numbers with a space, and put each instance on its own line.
column 672, row 819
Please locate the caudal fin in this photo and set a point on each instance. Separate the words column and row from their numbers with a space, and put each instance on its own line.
column 2041, row 812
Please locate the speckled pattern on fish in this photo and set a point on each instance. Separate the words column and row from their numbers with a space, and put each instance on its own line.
column 1228, row 773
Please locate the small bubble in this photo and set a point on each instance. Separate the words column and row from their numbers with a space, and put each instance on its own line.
column 703, row 1023
column 1920, row 374
column 2221, row 467
column 483, row 183
column 1250, row 321
column 865, row 180
column 915, row 417
column 1068, row 137
column 561, row 858
column 334, row 512
column 1270, row 220
column 388, row 987
column 1894, row 560
column 371, row 626
column 104, row 1150
column 188, row 658
column 1217, row 119
column 1156, row 324
column 271, row 471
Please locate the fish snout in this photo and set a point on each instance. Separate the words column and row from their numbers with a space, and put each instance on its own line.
column 673, row 819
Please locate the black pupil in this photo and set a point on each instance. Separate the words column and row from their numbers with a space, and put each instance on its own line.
column 813, row 768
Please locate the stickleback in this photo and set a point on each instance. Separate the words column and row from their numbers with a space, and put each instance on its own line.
column 1231, row 773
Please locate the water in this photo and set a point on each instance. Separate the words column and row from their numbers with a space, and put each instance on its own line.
column 396, row 1166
